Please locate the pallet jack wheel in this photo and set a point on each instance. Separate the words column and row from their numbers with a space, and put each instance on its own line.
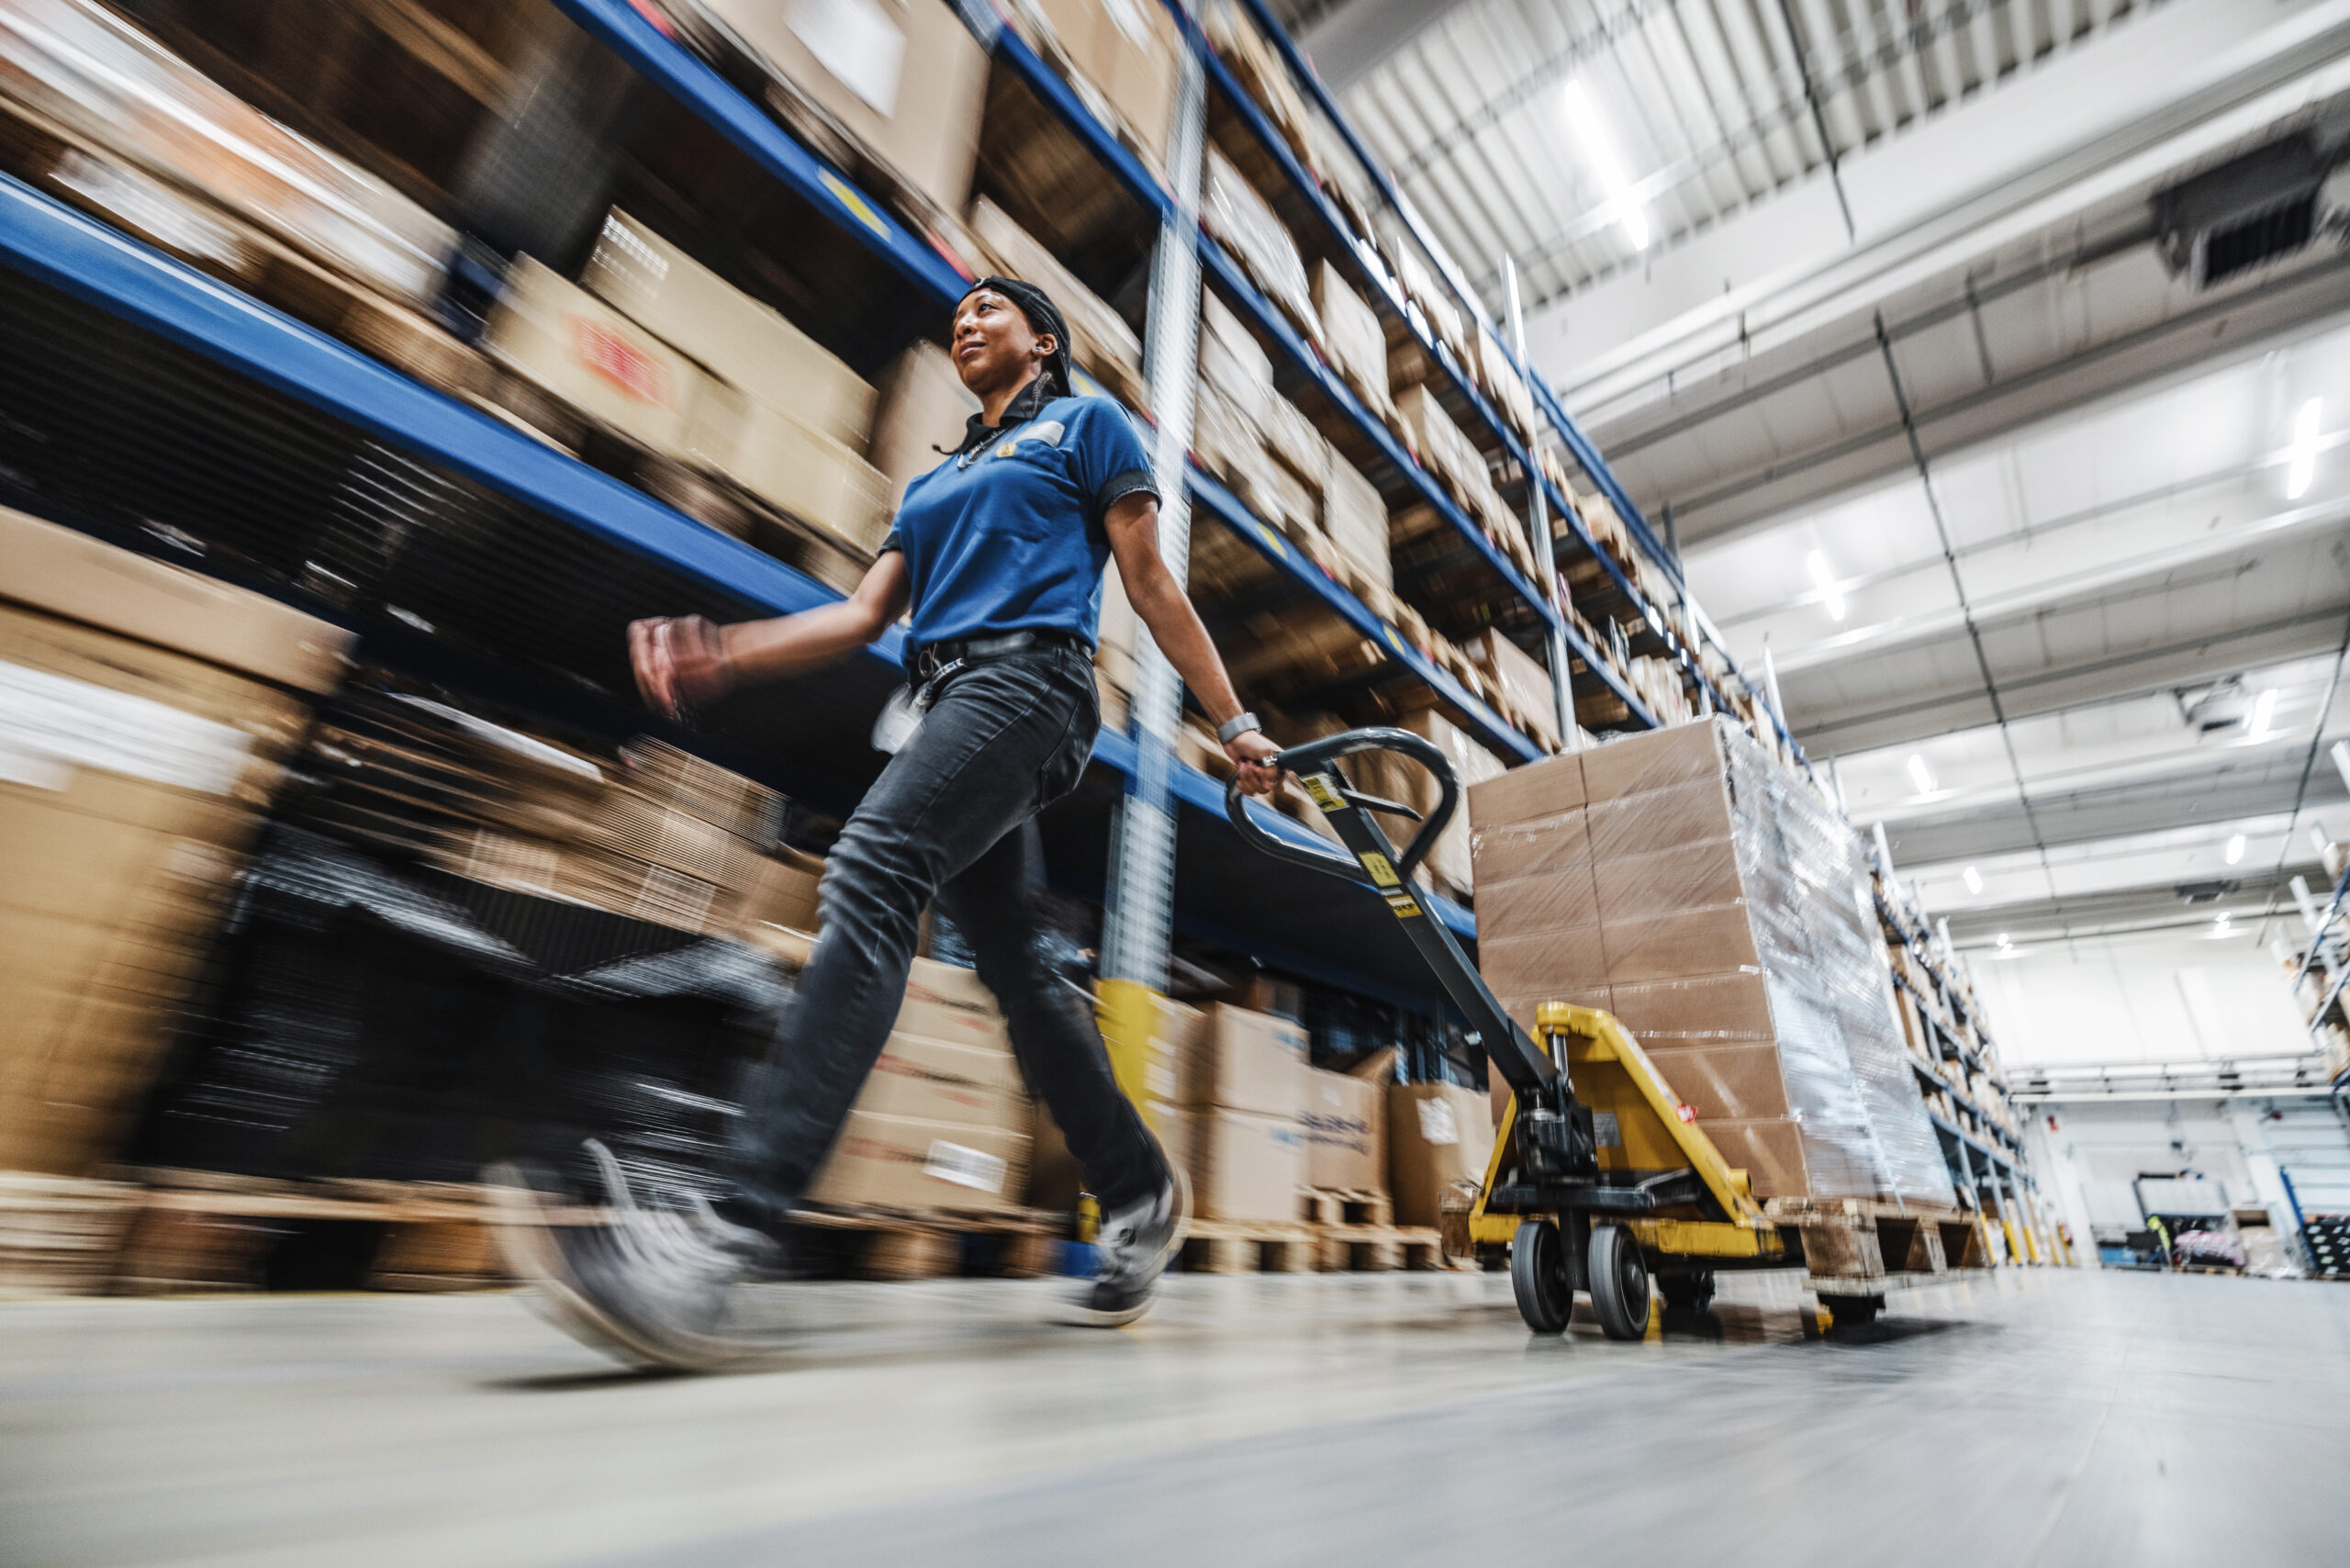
column 1537, row 1276
column 1619, row 1282
column 1690, row 1290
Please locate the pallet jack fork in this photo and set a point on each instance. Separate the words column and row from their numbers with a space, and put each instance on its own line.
column 1600, row 1176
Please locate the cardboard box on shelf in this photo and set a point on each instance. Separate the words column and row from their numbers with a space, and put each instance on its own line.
column 1236, row 214
column 1234, row 364
column 1522, row 679
column 1245, row 1166
column 782, row 891
column 1355, row 517
column 669, row 294
column 1438, row 1135
column 903, row 1163
column 595, row 359
column 939, row 1081
column 1345, row 1124
column 1351, row 334
column 904, row 79
column 921, row 404
column 799, row 470
column 144, row 737
column 1243, row 1062
column 1127, row 52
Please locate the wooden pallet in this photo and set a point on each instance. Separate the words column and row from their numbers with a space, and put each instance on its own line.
column 931, row 1244
column 1856, row 1247
column 1338, row 1230
column 1251, row 1246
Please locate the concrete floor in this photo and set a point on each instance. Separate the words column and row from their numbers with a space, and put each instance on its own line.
column 2059, row 1418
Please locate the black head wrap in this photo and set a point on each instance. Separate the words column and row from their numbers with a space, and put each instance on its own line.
column 1044, row 316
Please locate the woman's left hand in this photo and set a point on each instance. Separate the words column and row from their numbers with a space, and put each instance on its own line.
column 1254, row 755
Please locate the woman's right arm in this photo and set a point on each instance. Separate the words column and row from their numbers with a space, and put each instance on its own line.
column 690, row 660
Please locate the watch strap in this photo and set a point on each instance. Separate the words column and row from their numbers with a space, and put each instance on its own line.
column 1233, row 729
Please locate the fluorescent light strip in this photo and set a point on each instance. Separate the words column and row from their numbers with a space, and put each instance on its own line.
column 2302, row 466
column 1582, row 116
column 1827, row 581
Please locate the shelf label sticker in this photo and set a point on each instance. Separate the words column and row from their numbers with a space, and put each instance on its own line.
column 846, row 195
column 965, row 1166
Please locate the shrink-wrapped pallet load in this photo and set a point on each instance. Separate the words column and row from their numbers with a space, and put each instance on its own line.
column 1686, row 881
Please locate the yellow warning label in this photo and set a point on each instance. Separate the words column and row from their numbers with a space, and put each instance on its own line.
column 1325, row 796
column 1381, row 871
column 1271, row 538
column 848, row 197
column 1404, row 905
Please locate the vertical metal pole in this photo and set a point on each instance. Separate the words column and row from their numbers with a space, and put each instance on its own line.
column 1537, row 520
column 1140, row 907
column 1770, row 686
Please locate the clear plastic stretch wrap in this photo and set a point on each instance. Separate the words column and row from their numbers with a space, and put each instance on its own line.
column 1236, row 215
column 1688, row 882
column 1822, row 956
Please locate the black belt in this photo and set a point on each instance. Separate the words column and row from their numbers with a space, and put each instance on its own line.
column 927, row 662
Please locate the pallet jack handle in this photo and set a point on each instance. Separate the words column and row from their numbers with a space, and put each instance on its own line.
column 1370, row 860
column 1314, row 756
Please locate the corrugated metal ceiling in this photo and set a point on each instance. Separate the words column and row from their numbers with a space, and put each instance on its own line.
column 1712, row 105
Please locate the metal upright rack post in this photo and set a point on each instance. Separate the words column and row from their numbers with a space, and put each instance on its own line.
column 1139, row 912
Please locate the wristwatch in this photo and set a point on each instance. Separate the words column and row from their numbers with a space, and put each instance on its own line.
column 1232, row 730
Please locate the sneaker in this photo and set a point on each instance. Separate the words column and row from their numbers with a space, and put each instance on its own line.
column 1134, row 1245
column 650, row 1283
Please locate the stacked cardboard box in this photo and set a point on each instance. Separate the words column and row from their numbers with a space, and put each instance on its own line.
column 1688, row 882
column 921, row 404
column 1345, row 1123
column 146, row 715
column 86, row 69
column 1121, row 56
column 1523, row 684
column 1448, row 866
column 1439, row 1140
column 654, row 359
column 901, row 83
column 1238, row 216
column 1241, row 1080
column 1354, row 340
column 943, row 1122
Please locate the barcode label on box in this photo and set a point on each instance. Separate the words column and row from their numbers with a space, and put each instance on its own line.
column 964, row 1167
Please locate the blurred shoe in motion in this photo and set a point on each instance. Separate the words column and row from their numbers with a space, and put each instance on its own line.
column 650, row 1281
column 1135, row 1244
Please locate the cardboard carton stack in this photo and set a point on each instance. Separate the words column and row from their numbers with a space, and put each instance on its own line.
column 1345, row 1123
column 1522, row 684
column 1055, row 1182
column 1685, row 881
column 1238, row 218
column 1439, row 1140
column 1448, row 867
column 890, row 90
column 663, row 352
column 943, row 1123
column 146, row 716
column 1241, row 1081
column 1121, row 56
column 1355, row 341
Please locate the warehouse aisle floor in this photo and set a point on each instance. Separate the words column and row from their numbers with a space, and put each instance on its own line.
column 2051, row 1417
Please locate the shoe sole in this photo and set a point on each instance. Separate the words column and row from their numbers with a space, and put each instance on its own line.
column 1076, row 1315
column 525, row 1236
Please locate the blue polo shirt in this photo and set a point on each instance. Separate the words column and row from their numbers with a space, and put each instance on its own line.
column 1006, row 535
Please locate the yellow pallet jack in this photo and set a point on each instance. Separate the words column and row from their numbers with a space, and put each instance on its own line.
column 1600, row 1177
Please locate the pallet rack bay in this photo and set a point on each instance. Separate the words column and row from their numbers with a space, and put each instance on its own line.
column 223, row 434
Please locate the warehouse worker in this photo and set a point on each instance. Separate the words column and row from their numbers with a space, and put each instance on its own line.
column 999, row 552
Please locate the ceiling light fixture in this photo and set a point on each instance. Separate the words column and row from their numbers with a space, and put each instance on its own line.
column 2220, row 926
column 2302, row 465
column 1582, row 116
column 2263, row 711
column 1827, row 581
column 2002, row 940
column 1974, row 881
column 2235, row 849
column 1919, row 774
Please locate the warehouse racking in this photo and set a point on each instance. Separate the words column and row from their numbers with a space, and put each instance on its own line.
column 255, row 447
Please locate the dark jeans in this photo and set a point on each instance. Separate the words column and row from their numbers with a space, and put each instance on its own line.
column 1003, row 740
